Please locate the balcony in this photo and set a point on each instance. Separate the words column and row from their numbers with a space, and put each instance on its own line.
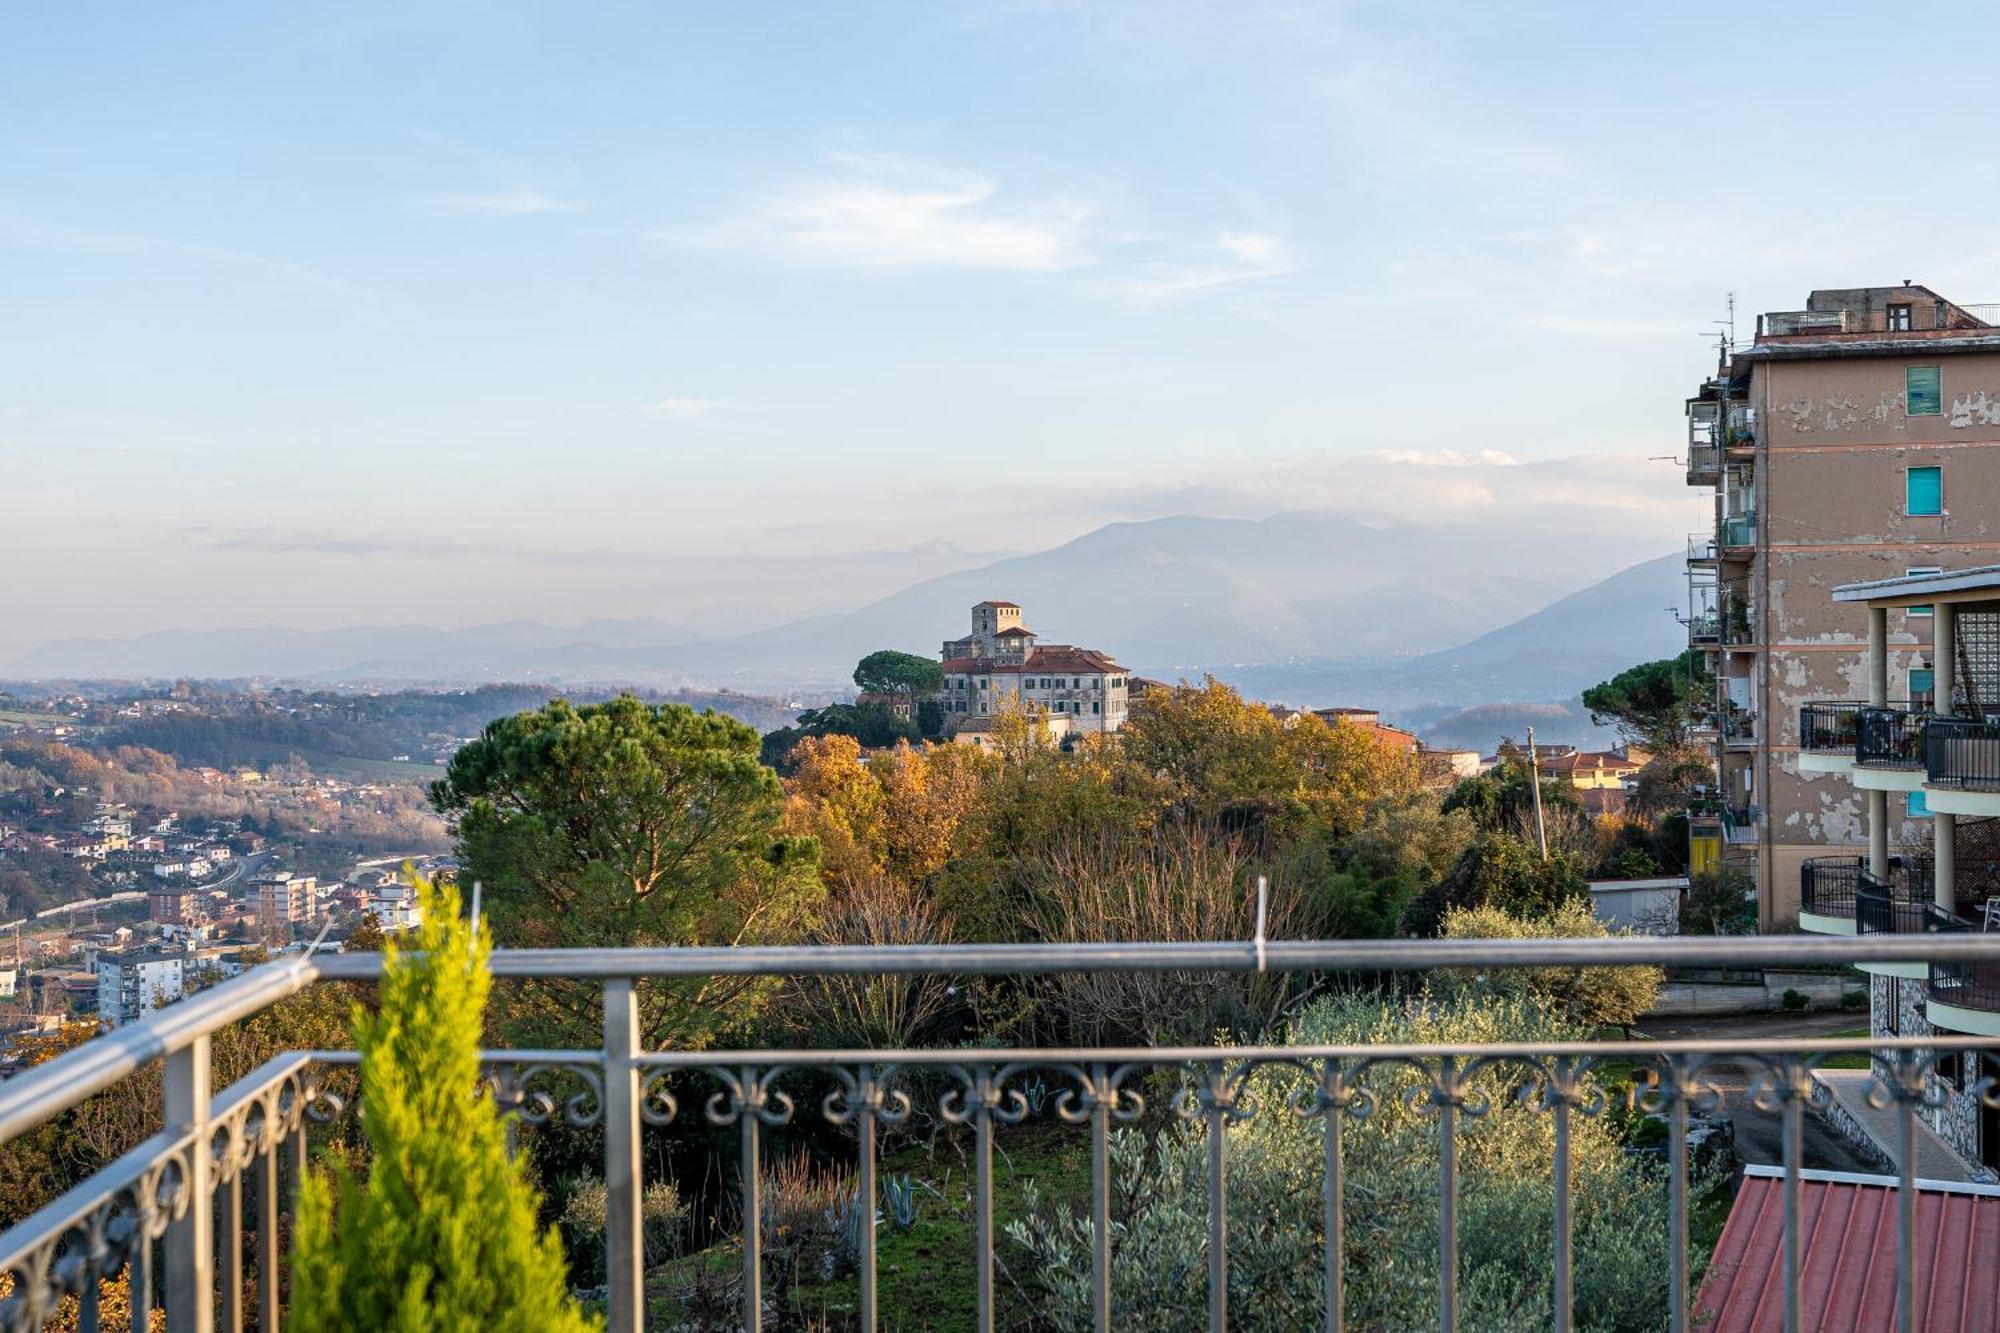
column 1962, row 753
column 1739, row 728
column 1737, row 533
column 1704, row 629
column 197, row 1217
column 1829, row 727
column 1704, row 465
column 1915, row 317
column 1964, row 996
column 1827, row 885
column 1900, row 904
column 1739, row 824
column 1890, row 737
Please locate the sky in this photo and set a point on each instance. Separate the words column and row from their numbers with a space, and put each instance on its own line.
column 439, row 313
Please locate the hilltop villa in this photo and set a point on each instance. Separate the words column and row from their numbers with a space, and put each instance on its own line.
column 1080, row 689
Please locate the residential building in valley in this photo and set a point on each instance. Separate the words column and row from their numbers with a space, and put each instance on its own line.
column 1002, row 665
column 1855, row 440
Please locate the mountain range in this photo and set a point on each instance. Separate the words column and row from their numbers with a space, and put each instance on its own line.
column 1309, row 608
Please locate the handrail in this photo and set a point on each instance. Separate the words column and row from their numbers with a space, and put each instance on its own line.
column 35, row 1095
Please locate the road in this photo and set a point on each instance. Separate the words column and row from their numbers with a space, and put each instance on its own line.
column 1759, row 1134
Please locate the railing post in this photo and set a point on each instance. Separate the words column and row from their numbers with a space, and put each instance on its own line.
column 191, row 1240
column 624, row 1245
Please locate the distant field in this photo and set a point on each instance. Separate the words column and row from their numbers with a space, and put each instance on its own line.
column 8, row 715
column 377, row 770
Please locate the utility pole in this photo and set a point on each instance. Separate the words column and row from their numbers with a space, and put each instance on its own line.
column 1535, row 785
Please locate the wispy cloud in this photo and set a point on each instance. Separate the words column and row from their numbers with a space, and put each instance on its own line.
column 506, row 203
column 523, row 195
column 685, row 408
column 1237, row 257
column 879, row 211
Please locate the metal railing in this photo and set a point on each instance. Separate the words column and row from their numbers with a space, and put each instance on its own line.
column 1739, row 823
column 1900, row 904
column 1705, row 627
column 1737, row 532
column 1827, row 885
column 1891, row 736
column 1962, row 752
column 1965, row 983
column 1704, row 462
column 1828, row 727
column 183, row 1187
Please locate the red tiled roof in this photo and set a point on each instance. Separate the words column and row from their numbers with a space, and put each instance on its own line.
column 1053, row 657
column 1848, row 1256
column 1015, row 632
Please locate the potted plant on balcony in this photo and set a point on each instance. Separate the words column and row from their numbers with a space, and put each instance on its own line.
column 442, row 1232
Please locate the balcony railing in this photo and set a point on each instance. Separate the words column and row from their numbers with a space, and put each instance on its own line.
column 1962, row 752
column 1891, row 736
column 1966, row 984
column 1827, row 885
column 1829, row 728
column 1739, row 724
column 1739, row 823
column 170, row 1217
column 1705, row 627
column 1704, row 461
column 1737, row 532
column 1900, row 904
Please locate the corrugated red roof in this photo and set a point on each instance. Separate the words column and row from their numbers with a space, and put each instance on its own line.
column 1848, row 1257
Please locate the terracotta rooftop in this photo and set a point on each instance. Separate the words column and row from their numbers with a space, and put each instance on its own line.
column 1049, row 657
column 1848, row 1256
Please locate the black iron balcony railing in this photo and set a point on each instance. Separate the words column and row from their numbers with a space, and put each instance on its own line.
column 1827, row 885
column 1962, row 752
column 170, row 1215
column 1890, row 736
column 1829, row 728
column 1900, row 904
column 1966, row 984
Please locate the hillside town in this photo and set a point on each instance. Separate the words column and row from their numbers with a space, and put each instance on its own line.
column 997, row 668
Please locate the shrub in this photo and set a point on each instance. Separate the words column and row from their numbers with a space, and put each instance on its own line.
column 1588, row 996
column 1500, row 871
column 1276, row 1233
column 1793, row 1001
column 442, row 1234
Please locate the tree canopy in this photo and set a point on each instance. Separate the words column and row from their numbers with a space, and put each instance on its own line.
column 628, row 824
column 890, row 672
column 1653, row 702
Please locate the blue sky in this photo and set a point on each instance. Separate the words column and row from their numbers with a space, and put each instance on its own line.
column 451, row 312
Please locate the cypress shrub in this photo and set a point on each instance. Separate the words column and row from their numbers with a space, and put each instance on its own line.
column 441, row 1235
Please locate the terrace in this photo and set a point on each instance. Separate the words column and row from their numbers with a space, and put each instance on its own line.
column 193, row 1217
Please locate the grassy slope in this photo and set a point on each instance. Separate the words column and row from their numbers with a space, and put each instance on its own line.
column 927, row 1269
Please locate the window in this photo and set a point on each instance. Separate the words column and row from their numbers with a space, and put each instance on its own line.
column 1923, row 392
column 1899, row 319
column 984, row 682
column 1093, row 706
column 1914, row 807
column 1923, row 490
column 1921, row 610
column 1923, row 685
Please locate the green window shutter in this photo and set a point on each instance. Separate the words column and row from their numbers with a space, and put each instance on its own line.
column 1915, row 807
column 1922, row 682
column 1925, row 493
column 1923, row 391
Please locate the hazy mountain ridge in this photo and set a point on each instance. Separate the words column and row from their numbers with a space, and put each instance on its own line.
column 1307, row 608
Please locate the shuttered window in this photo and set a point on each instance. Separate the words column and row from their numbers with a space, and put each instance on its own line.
column 1923, row 391
column 1924, row 490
